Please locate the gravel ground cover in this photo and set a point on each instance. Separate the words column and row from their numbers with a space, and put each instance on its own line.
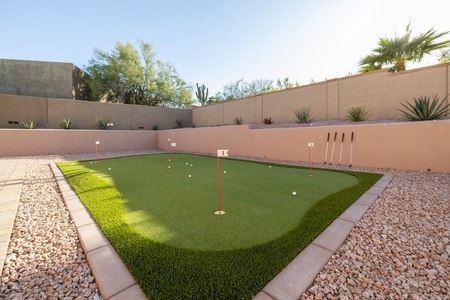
column 400, row 249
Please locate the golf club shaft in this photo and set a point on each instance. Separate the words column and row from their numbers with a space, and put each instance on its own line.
column 326, row 151
column 342, row 143
column 332, row 149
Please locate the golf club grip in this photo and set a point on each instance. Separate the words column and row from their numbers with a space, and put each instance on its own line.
column 328, row 138
column 343, row 137
column 352, row 136
column 335, row 135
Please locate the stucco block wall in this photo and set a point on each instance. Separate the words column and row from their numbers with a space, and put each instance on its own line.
column 409, row 146
column 24, row 142
column 48, row 112
column 41, row 79
column 379, row 92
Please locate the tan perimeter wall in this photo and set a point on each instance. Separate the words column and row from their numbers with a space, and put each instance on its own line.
column 380, row 92
column 410, row 146
column 48, row 113
column 41, row 79
column 24, row 142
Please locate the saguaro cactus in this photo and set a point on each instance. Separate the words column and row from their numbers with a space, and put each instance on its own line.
column 202, row 94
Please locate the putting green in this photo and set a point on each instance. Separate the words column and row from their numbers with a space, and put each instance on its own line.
column 170, row 207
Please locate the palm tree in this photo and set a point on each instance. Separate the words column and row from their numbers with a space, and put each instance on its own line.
column 399, row 50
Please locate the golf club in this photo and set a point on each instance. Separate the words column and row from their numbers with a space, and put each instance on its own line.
column 332, row 149
column 326, row 151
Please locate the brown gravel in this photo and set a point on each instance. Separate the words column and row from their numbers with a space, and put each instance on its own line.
column 400, row 249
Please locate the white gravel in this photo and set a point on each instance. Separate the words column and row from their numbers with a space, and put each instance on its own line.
column 400, row 249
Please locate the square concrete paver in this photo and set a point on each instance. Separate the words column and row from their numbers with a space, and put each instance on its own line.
column 334, row 235
column 109, row 271
column 367, row 199
column 91, row 237
column 298, row 276
column 131, row 293
column 354, row 213
column 81, row 217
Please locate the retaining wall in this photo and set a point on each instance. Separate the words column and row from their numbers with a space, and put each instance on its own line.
column 409, row 146
column 26, row 142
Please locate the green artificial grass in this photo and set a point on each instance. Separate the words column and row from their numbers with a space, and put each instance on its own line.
column 162, row 222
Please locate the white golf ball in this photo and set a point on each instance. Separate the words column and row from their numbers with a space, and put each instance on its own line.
column 270, row 166
column 294, row 193
column 189, row 176
column 224, row 172
column 109, row 169
column 91, row 162
column 169, row 159
column 191, row 165
column 186, row 164
column 169, row 167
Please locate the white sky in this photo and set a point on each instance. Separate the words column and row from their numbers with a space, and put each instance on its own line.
column 216, row 42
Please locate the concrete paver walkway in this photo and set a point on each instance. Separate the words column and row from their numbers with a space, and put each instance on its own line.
column 114, row 280
column 11, row 181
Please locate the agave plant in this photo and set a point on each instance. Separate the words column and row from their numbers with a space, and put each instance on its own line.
column 66, row 124
column 424, row 108
column 357, row 114
column 238, row 121
column 303, row 115
column 102, row 123
column 268, row 121
column 180, row 123
column 29, row 124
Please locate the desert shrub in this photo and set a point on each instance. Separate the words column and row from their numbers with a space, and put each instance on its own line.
column 102, row 123
column 238, row 121
column 66, row 124
column 268, row 121
column 424, row 108
column 357, row 114
column 180, row 123
column 29, row 124
column 303, row 115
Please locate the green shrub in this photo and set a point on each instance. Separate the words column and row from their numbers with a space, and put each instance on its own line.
column 268, row 121
column 357, row 114
column 29, row 124
column 238, row 121
column 180, row 123
column 102, row 123
column 422, row 109
column 66, row 124
column 303, row 115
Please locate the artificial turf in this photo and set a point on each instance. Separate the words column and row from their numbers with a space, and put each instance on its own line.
column 162, row 222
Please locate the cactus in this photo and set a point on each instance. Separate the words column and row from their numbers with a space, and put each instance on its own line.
column 202, row 96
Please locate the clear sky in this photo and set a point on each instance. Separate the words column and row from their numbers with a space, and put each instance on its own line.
column 218, row 41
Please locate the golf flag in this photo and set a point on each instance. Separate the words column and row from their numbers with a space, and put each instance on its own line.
column 221, row 153
column 174, row 144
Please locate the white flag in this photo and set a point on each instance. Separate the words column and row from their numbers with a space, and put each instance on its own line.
column 222, row 153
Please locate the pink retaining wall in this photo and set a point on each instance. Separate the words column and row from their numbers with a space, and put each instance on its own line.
column 22, row 142
column 410, row 146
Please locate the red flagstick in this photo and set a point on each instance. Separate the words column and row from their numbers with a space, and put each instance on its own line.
column 218, row 184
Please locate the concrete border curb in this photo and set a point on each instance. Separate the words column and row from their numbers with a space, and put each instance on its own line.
column 112, row 276
column 299, row 275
